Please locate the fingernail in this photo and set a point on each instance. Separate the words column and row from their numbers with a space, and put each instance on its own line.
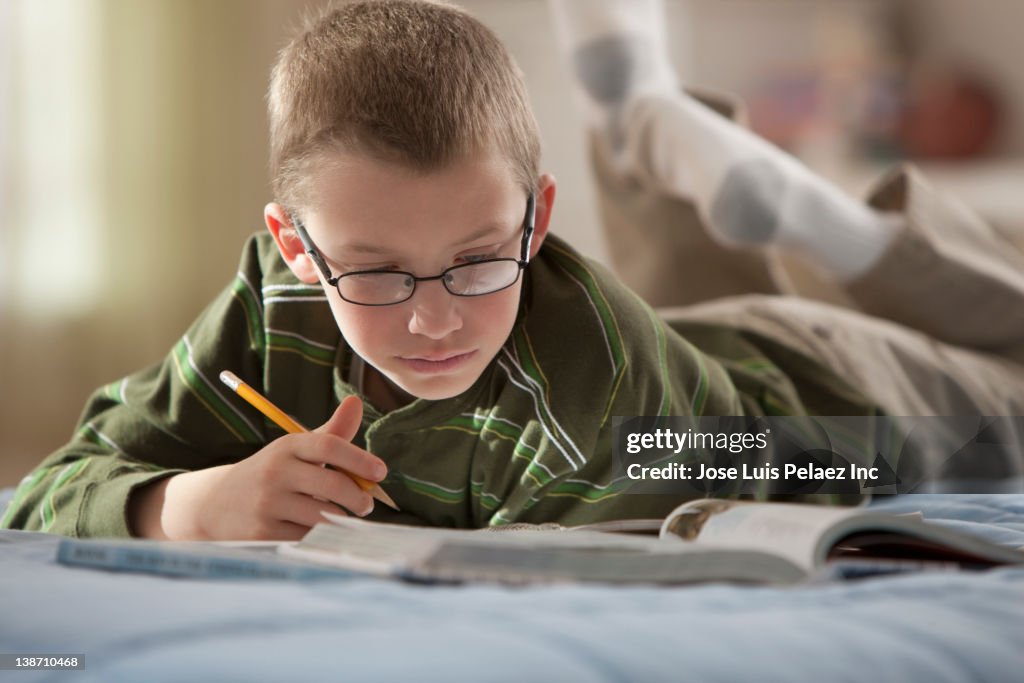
column 380, row 471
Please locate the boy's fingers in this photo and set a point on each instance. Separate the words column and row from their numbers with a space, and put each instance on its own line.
column 328, row 449
column 333, row 486
column 307, row 512
column 345, row 421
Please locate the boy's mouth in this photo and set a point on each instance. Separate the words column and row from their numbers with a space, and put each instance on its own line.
column 436, row 363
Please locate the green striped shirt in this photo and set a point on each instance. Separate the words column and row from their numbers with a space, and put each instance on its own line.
column 530, row 441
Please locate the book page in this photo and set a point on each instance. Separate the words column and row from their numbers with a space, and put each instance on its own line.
column 790, row 530
column 809, row 535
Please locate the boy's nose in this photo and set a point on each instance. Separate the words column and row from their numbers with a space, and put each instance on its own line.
column 434, row 311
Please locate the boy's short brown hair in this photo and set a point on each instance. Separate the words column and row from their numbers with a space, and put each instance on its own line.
column 418, row 83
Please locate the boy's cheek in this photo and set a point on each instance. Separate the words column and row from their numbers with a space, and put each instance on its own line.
column 352, row 323
column 499, row 316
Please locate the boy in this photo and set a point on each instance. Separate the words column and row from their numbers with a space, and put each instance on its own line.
column 409, row 300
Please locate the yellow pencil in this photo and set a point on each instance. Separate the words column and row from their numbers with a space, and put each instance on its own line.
column 282, row 420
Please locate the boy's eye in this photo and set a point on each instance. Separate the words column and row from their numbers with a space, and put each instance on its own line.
column 476, row 258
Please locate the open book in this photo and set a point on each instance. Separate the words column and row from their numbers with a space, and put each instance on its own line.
column 702, row 540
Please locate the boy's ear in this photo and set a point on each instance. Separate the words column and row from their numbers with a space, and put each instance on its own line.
column 542, row 217
column 279, row 223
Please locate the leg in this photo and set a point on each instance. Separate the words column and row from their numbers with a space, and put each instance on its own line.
column 649, row 138
column 616, row 49
column 658, row 243
column 943, row 271
column 908, row 374
column 906, row 371
column 908, row 255
column 949, row 274
column 748, row 192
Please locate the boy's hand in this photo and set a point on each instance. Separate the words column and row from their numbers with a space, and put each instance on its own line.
column 277, row 493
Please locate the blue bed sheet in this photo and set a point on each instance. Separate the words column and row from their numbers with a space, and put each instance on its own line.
column 926, row 627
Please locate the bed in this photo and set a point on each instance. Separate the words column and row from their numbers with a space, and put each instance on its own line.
column 923, row 627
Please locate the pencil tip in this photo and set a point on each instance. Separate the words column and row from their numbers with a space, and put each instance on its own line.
column 383, row 497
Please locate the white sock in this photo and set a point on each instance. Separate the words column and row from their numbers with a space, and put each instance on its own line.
column 748, row 191
column 616, row 49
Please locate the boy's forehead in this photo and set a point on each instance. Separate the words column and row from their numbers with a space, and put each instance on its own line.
column 348, row 173
column 366, row 204
column 408, row 243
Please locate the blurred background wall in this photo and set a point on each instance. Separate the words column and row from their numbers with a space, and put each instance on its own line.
column 133, row 154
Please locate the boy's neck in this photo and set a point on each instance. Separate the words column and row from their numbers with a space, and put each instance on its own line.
column 384, row 394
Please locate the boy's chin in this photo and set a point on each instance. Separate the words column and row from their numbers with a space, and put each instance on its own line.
column 437, row 389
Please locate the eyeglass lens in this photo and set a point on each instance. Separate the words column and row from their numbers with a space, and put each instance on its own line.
column 473, row 279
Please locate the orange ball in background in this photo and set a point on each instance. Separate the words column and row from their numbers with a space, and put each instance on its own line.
column 950, row 115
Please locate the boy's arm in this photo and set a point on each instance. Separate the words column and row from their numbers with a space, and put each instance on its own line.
column 152, row 425
column 84, row 488
column 145, row 510
column 164, row 508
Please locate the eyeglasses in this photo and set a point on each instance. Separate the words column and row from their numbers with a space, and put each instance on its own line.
column 388, row 287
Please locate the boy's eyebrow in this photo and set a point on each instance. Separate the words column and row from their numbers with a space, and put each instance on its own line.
column 472, row 237
column 479, row 234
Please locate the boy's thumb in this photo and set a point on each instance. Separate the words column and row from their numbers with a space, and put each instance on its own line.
column 346, row 419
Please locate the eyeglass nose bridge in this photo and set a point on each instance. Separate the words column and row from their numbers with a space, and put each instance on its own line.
column 445, row 277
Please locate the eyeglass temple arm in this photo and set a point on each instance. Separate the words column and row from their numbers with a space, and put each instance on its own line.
column 531, row 213
column 311, row 250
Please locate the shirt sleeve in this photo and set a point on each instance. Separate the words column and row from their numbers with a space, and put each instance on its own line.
column 173, row 417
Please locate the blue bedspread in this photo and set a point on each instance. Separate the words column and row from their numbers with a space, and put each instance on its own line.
column 937, row 627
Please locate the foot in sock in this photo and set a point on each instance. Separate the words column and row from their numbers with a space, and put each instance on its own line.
column 759, row 202
column 616, row 49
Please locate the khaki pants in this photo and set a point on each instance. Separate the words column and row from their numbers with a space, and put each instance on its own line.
column 935, row 328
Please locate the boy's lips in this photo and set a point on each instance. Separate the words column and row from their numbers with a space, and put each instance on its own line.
column 437, row 362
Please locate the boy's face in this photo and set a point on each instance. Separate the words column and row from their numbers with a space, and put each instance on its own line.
column 374, row 215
